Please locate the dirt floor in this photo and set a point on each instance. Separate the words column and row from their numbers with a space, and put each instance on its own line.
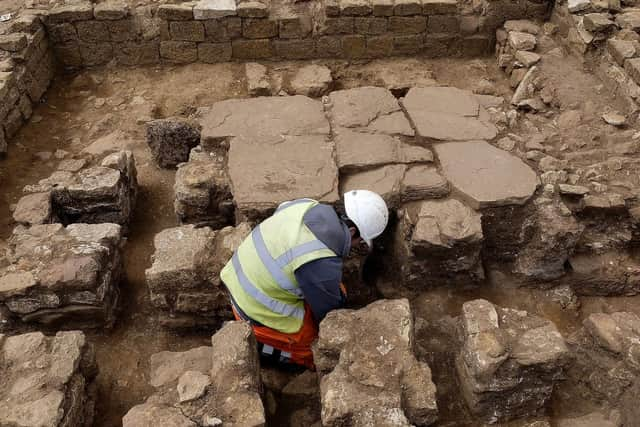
column 79, row 109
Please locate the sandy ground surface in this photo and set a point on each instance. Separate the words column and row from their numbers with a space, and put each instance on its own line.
column 79, row 109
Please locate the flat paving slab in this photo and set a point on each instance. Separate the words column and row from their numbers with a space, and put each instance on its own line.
column 279, row 149
column 485, row 175
column 447, row 114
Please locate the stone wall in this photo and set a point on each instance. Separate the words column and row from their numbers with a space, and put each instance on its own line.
column 26, row 69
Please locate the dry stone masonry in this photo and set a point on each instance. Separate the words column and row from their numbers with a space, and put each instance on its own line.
column 81, row 193
column 64, row 276
column 184, row 281
column 509, row 361
column 368, row 372
column 205, row 386
column 47, row 380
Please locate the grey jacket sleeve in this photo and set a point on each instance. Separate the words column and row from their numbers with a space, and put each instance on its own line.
column 320, row 284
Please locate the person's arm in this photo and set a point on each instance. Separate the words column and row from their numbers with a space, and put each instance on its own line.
column 319, row 281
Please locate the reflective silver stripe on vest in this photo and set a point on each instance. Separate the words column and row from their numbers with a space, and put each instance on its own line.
column 267, row 260
column 290, row 203
column 303, row 249
column 273, row 305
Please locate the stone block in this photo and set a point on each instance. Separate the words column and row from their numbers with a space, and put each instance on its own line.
column 123, row 30
column 171, row 140
column 223, row 30
column 211, row 53
column 295, row 49
column 439, row 7
column 508, row 369
column 621, row 50
column 443, row 24
column 176, row 12
column 110, row 10
column 407, row 7
column 258, row 83
column 138, row 53
column 13, row 122
column 259, row 28
column 203, row 190
column 606, row 273
column 190, row 31
column 82, row 11
column 354, row 46
column 69, row 55
column 380, row 46
column 331, row 8
column 370, row 25
column 62, row 33
column 342, row 25
column 296, row 27
column 521, row 41
column 212, row 9
column 379, row 335
column 311, row 80
column 408, row 44
column 407, row 24
column 329, row 47
column 355, row 7
column 253, row 9
column 438, row 243
column 34, row 209
column 598, row 22
column 252, row 49
column 95, row 53
column 92, row 31
column 382, row 7
column 59, row 391
column 65, row 277
column 178, row 52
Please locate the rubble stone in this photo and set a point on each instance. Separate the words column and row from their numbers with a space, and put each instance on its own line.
column 607, row 272
column 368, row 372
column 34, row 209
column 509, row 363
column 485, row 175
column 311, row 80
column 447, row 114
column 555, row 233
column 171, row 140
column 438, row 243
column 203, row 191
column 257, row 79
column 226, row 377
column 67, row 276
column 184, row 278
column 47, row 380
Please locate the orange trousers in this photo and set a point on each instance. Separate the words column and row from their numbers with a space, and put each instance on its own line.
column 298, row 343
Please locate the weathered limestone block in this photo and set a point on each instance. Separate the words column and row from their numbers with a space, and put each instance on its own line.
column 438, row 243
column 67, row 276
column 447, row 114
column 34, row 209
column 554, row 235
column 368, row 372
column 47, row 380
column 171, row 140
column 203, row 190
column 184, row 280
column 205, row 386
column 607, row 355
column 258, row 83
column 509, row 361
column 279, row 150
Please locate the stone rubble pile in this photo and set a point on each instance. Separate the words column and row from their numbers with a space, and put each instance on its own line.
column 184, row 282
column 368, row 372
column 62, row 276
column 205, row 386
column 80, row 193
column 509, row 361
column 26, row 70
column 47, row 380
column 439, row 243
column 202, row 189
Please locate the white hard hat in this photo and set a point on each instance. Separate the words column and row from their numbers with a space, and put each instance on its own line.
column 368, row 212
